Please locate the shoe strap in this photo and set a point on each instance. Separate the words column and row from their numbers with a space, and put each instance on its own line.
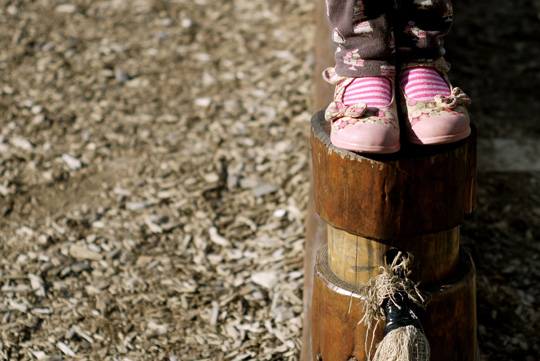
column 330, row 76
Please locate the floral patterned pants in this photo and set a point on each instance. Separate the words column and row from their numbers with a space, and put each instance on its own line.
column 373, row 36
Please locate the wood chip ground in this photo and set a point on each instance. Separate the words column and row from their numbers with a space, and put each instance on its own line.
column 154, row 179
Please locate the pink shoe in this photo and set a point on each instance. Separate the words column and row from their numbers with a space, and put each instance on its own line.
column 357, row 127
column 444, row 120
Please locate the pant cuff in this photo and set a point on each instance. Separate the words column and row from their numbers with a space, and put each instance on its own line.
column 355, row 67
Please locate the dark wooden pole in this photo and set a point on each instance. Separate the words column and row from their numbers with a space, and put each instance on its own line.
column 315, row 227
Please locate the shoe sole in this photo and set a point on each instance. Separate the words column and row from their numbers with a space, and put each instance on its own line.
column 443, row 139
column 363, row 148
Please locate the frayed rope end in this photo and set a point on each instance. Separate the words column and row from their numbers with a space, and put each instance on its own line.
column 403, row 344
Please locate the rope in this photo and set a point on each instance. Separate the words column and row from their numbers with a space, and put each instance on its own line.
column 387, row 298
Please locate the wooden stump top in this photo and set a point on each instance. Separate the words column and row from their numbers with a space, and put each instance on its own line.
column 418, row 190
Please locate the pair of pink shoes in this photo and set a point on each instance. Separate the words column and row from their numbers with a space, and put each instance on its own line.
column 360, row 128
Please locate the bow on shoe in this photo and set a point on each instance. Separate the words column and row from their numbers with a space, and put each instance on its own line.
column 338, row 110
column 457, row 97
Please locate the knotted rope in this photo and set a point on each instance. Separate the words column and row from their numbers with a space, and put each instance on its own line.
column 387, row 299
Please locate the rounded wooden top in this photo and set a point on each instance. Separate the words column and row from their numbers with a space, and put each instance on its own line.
column 418, row 190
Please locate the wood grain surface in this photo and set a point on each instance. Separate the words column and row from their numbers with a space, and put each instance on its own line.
column 433, row 257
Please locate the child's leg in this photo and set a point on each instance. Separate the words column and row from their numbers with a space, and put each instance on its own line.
column 419, row 28
column 362, row 32
column 436, row 113
column 363, row 113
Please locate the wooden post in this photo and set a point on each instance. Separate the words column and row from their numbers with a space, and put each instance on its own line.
column 374, row 205
column 315, row 227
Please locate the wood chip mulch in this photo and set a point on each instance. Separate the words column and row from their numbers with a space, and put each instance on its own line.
column 154, row 176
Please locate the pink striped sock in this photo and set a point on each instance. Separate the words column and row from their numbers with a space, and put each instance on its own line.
column 423, row 84
column 376, row 92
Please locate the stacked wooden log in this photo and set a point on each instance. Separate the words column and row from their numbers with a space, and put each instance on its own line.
column 374, row 206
